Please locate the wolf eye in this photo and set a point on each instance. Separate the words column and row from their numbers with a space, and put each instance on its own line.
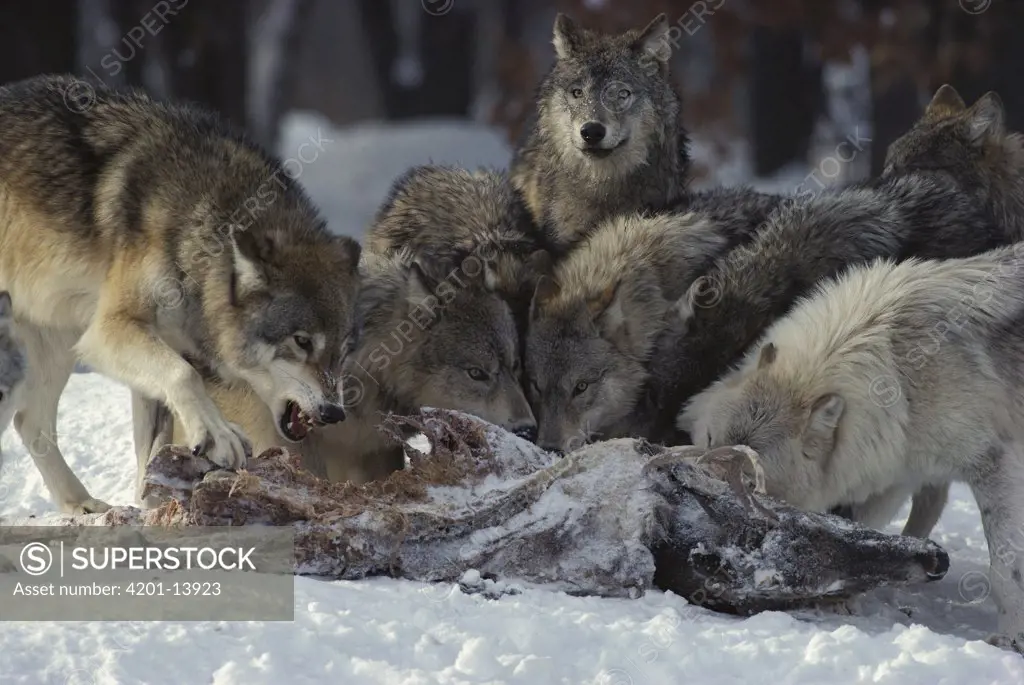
column 477, row 374
column 624, row 94
column 577, row 93
column 303, row 341
column 580, row 388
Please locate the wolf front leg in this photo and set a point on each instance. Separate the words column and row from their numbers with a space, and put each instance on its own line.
column 926, row 509
column 152, row 428
column 48, row 366
column 999, row 490
column 120, row 342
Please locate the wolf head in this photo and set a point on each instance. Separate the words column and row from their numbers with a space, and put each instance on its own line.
column 794, row 432
column 440, row 337
column 585, row 357
column 608, row 98
column 291, row 296
column 12, row 362
column 972, row 144
column 447, row 214
column 443, row 211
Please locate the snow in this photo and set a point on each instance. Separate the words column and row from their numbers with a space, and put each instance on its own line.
column 352, row 176
column 384, row 631
column 389, row 631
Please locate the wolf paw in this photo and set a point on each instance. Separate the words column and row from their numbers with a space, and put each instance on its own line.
column 224, row 444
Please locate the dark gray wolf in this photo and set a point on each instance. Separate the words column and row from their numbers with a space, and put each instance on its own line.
column 892, row 377
column 606, row 137
column 974, row 147
column 151, row 241
column 596, row 322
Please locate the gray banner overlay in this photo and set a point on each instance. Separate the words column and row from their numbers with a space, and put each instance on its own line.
column 122, row 573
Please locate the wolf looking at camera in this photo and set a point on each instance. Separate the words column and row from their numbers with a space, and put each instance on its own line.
column 120, row 244
column 606, row 136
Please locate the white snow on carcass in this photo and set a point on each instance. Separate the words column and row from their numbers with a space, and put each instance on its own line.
column 385, row 631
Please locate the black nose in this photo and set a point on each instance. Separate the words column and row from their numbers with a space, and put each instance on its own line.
column 526, row 431
column 592, row 132
column 332, row 413
column 935, row 565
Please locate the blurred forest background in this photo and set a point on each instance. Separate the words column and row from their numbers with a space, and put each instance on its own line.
column 784, row 77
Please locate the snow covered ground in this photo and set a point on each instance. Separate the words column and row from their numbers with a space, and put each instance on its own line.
column 391, row 632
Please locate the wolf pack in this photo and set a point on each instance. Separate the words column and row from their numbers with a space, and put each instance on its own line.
column 866, row 340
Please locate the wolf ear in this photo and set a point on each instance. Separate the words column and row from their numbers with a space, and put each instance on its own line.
column 547, row 289
column 6, row 309
column 986, row 119
column 420, row 285
column 606, row 311
column 945, row 102
column 349, row 251
column 250, row 253
column 768, row 353
column 538, row 264
column 568, row 39
column 599, row 303
column 629, row 314
column 491, row 276
column 654, row 40
column 820, row 435
column 700, row 290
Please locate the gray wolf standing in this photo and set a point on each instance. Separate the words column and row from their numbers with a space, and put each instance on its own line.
column 606, row 137
column 892, row 377
column 151, row 240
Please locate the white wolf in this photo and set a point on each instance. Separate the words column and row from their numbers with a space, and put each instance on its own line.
column 890, row 378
